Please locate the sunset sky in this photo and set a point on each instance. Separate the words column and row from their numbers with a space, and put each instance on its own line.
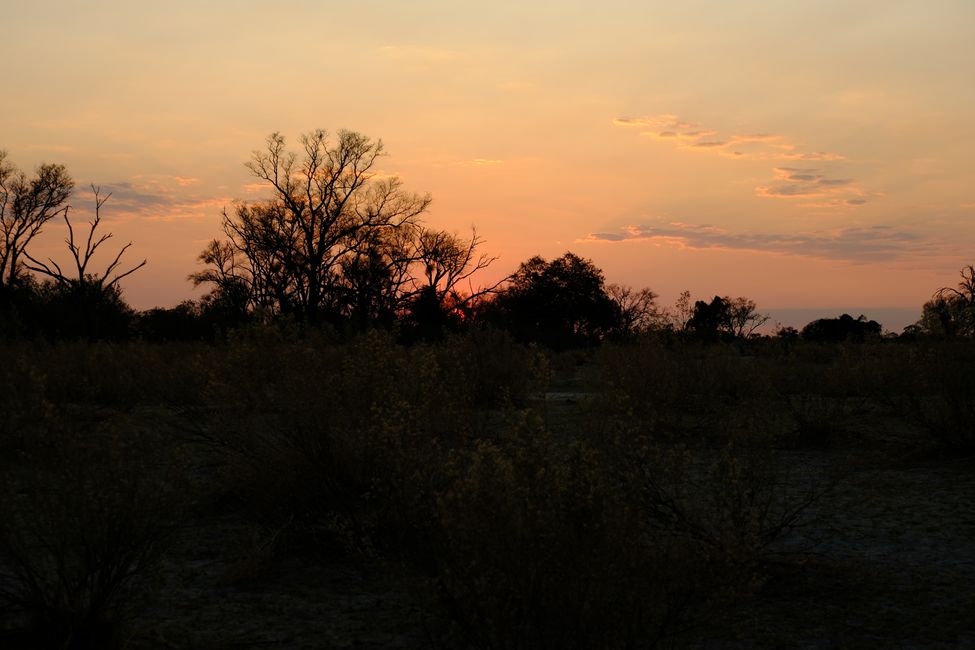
column 803, row 154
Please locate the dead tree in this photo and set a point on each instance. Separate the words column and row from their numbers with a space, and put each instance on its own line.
column 82, row 257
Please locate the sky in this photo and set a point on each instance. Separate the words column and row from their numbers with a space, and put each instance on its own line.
column 807, row 155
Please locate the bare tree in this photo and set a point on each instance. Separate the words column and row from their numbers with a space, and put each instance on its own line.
column 681, row 313
column 82, row 256
column 741, row 318
column 638, row 311
column 26, row 205
column 449, row 261
column 327, row 202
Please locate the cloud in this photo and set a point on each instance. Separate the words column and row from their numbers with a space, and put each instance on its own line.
column 855, row 244
column 255, row 188
column 800, row 182
column 743, row 146
column 156, row 198
column 664, row 122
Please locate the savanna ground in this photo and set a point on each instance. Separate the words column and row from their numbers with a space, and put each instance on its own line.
column 291, row 492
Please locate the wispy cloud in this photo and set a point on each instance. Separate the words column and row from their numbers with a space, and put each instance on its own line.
column 788, row 182
column 751, row 146
column 856, row 244
column 811, row 183
column 156, row 198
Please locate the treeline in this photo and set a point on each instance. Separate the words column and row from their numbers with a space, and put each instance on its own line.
column 338, row 247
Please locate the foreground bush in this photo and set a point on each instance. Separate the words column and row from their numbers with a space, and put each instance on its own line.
column 84, row 526
column 340, row 442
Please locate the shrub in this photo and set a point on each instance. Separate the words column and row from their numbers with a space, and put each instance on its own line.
column 562, row 545
column 83, row 527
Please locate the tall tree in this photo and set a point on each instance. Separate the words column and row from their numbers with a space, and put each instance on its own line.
column 27, row 203
column 327, row 204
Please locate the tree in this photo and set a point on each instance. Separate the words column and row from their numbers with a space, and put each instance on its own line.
column 86, row 303
column 708, row 319
column 725, row 317
column 446, row 262
column 951, row 311
column 377, row 278
column 562, row 303
column 638, row 311
column 844, row 328
column 26, row 205
column 327, row 205
column 743, row 318
column 680, row 314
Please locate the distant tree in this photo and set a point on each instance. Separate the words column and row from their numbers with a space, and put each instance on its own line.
column 844, row 328
column 82, row 302
column 707, row 322
column 680, row 314
column 446, row 262
column 743, row 318
column 27, row 203
column 638, row 311
column 951, row 311
column 327, row 206
column 724, row 317
column 180, row 323
column 562, row 303
column 786, row 333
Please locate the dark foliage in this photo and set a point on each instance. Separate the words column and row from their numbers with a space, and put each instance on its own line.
column 844, row 328
column 561, row 304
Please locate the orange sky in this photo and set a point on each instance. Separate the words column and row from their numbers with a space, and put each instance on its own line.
column 801, row 154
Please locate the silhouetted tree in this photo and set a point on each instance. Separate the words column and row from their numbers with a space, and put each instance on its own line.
column 562, row 303
column 951, row 311
column 26, row 205
column 724, row 317
column 445, row 263
column 707, row 322
column 327, row 205
column 743, row 318
column 844, row 328
column 183, row 322
column 87, row 304
column 376, row 279
column 787, row 333
column 680, row 314
column 638, row 311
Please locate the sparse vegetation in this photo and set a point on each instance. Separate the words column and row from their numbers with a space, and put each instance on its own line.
column 546, row 463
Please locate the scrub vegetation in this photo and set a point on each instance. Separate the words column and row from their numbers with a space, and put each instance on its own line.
column 347, row 444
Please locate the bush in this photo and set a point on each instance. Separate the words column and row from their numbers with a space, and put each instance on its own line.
column 933, row 386
column 548, row 545
column 538, row 548
column 84, row 525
